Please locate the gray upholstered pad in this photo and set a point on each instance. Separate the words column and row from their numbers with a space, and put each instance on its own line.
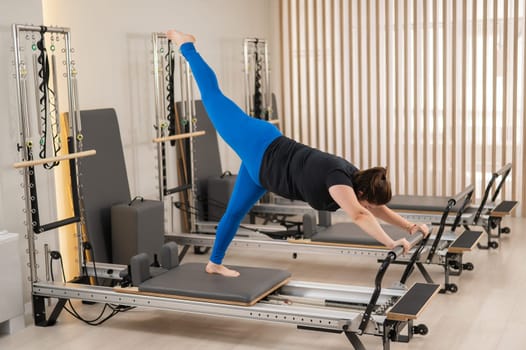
column 352, row 234
column 191, row 281
column 420, row 203
column 103, row 177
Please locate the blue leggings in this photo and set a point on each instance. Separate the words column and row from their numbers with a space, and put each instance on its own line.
column 248, row 137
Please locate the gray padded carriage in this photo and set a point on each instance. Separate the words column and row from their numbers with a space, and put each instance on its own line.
column 421, row 203
column 351, row 234
column 191, row 281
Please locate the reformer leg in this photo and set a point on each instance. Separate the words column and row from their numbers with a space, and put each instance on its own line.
column 490, row 244
column 357, row 343
column 39, row 311
column 424, row 272
column 448, row 287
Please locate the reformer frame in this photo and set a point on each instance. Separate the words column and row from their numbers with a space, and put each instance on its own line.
column 332, row 308
column 443, row 249
column 487, row 214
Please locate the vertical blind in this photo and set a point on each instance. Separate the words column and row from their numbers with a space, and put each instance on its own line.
column 432, row 89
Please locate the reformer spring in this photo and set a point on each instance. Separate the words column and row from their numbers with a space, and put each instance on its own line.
column 258, row 98
column 46, row 101
column 170, row 68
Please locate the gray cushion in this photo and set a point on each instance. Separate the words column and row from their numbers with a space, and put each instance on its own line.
column 352, row 234
column 421, row 203
column 191, row 281
column 103, row 177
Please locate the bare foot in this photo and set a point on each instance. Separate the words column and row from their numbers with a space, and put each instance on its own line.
column 220, row 270
column 179, row 38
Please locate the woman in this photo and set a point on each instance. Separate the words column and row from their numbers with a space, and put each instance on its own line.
column 273, row 162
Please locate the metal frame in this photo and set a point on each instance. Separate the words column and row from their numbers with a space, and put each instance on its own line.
column 483, row 214
column 435, row 252
column 162, row 79
column 323, row 307
column 255, row 56
column 25, row 144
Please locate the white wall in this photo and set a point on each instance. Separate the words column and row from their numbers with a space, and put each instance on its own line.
column 112, row 41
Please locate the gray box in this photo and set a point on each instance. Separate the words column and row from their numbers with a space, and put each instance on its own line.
column 136, row 227
column 220, row 189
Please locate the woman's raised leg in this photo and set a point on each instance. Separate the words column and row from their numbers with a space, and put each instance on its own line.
column 248, row 137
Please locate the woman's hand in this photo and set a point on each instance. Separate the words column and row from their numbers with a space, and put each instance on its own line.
column 414, row 228
column 402, row 242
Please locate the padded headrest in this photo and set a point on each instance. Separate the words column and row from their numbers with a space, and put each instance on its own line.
column 169, row 255
column 140, row 268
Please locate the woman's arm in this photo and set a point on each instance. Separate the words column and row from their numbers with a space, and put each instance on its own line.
column 345, row 197
column 386, row 214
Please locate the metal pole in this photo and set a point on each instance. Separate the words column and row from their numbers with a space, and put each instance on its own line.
column 248, row 106
column 24, row 149
column 158, row 109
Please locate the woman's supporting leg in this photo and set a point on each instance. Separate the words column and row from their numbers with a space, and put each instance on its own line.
column 249, row 137
column 246, row 193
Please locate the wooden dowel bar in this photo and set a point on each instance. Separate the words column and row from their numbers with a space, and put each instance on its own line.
column 179, row 136
column 34, row 162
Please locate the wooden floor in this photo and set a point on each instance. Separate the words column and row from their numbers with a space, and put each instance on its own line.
column 486, row 313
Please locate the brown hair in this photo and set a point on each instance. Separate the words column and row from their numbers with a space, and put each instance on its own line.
column 372, row 185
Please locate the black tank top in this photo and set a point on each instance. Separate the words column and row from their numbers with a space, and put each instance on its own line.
column 299, row 172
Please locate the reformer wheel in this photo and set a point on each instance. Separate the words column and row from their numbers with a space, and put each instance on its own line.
column 199, row 250
column 452, row 287
column 420, row 329
column 454, row 265
column 505, row 230
column 468, row 266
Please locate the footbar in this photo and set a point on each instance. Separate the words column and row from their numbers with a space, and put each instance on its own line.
column 391, row 256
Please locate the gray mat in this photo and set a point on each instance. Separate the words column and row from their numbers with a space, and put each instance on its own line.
column 191, row 281
column 351, row 234
column 421, row 203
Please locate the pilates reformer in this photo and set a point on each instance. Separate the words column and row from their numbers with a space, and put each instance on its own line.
column 488, row 214
column 444, row 249
column 298, row 303
column 311, row 237
column 354, row 311
column 258, row 294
